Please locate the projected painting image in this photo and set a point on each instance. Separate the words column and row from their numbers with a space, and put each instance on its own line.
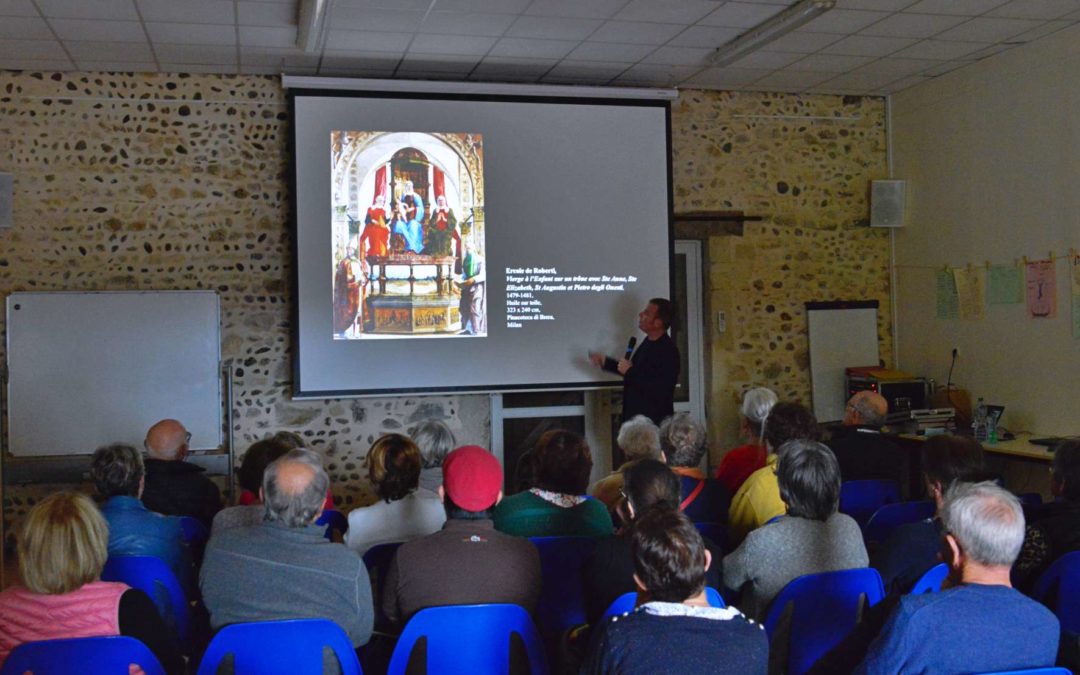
column 407, row 235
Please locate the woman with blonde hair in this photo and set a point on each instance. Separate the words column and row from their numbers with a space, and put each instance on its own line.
column 62, row 548
column 405, row 510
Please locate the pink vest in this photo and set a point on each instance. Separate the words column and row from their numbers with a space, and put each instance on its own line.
column 90, row 611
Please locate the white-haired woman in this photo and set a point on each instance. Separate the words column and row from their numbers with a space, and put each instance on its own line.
column 738, row 463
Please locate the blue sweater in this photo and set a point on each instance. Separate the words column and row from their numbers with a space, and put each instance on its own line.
column 972, row 628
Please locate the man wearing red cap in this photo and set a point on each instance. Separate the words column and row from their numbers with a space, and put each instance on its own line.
column 467, row 562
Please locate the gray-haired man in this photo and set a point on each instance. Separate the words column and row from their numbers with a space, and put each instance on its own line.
column 285, row 568
column 981, row 624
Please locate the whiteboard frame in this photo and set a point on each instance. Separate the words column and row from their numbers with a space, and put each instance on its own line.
column 159, row 352
column 842, row 334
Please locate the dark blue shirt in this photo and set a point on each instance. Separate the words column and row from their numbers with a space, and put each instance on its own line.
column 674, row 638
column 973, row 628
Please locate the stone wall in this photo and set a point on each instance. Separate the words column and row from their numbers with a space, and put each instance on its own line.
column 804, row 165
column 179, row 182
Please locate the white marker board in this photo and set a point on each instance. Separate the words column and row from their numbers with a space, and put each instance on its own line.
column 841, row 335
column 86, row 369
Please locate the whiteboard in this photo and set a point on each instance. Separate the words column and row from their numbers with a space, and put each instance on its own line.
column 86, row 369
column 842, row 335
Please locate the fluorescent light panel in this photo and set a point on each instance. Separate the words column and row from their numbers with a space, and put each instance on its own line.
column 765, row 32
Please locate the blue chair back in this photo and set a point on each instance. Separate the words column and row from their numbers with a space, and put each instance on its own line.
column 889, row 517
column 1030, row 498
column 627, row 601
column 1035, row 671
column 861, row 498
column 930, row 581
column 334, row 521
column 280, row 647
column 469, row 639
column 562, row 596
column 61, row 657
column 714, row 532
column 193, row 532
column 377, row 560
column 153, row 577
column 1059, row 589
column 824, row 609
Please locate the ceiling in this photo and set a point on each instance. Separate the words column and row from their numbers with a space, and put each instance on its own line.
column 859, row 47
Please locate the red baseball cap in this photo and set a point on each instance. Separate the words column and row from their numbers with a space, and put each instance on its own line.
column 472, row 478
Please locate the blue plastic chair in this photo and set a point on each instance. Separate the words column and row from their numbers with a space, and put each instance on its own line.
column 627, row 601
column 377, row 559
column 714, row 532
column 824, row 609
column 193, row 532
column 285, row 647
column 562, row 596
column 1030, row 498
column 469, row 639
column 334, row 521
column 1059, row 589
column 930, row 581
column 1035, row 671
column 153, row 577
column 61, row 657
column 861, row 498
column 889, row 517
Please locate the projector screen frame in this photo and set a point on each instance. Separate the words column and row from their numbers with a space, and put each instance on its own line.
column 293, row 93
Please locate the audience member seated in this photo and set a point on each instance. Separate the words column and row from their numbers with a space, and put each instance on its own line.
column 813, row 537
column 117, row 473
column 863, row 452
column 292, row 441
column 250, row 475
column 404, row 510
column 284, row 568
column 638, row 439
column 1054, row 528
column 673, row 628
column 435, row 441
column 62, row 550
column 175, row 487
column 913, row 548
column 758, row 500
column 557, row 506
column 468, row 562
column 649, row 485
column 738, row 463
column 981, row 624
column 684, row 442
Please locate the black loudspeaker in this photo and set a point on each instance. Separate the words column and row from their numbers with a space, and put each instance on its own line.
column 887, row 203
column 7, row 191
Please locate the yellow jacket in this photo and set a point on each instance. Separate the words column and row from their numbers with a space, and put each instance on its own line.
column 756, row 503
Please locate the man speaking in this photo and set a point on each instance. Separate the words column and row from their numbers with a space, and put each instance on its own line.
column 650, row 373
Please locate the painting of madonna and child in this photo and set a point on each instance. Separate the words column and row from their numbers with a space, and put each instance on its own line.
column 407, row 235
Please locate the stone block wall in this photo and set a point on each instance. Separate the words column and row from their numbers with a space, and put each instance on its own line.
column 155, row 181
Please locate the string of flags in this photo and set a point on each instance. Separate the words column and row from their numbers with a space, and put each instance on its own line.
column 964, row 292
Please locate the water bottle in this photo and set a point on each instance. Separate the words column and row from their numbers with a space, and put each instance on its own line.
column 979, row 422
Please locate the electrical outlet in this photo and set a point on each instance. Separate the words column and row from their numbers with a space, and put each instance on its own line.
column 721, row 322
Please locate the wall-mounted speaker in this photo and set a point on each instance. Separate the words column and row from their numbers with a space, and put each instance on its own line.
column 887, row 203
column 7, row 191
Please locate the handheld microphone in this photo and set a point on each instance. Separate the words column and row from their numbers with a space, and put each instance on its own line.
column 630, row 347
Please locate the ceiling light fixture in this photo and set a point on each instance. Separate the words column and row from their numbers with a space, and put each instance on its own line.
column 765, row 32
column 311, row 22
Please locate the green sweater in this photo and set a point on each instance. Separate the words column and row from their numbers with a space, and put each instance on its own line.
column 526, row 515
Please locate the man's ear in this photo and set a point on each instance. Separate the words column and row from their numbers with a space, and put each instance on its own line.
column 142, row 486
column 640, row 586
column 708, row 559
column 955, row 554
column 262, row 497
column 442, row 494
column 499, row 497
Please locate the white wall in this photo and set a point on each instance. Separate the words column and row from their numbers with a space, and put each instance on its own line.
column 992, row 156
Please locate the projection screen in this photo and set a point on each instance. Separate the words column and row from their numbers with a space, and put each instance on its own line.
column 473, row 243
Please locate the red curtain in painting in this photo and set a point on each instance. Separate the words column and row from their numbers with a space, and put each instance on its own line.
column 437, row 182
column 381, row 185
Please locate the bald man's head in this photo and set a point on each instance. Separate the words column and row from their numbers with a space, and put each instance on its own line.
column 167, row 440
column 294, row 488
column 867, row 408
